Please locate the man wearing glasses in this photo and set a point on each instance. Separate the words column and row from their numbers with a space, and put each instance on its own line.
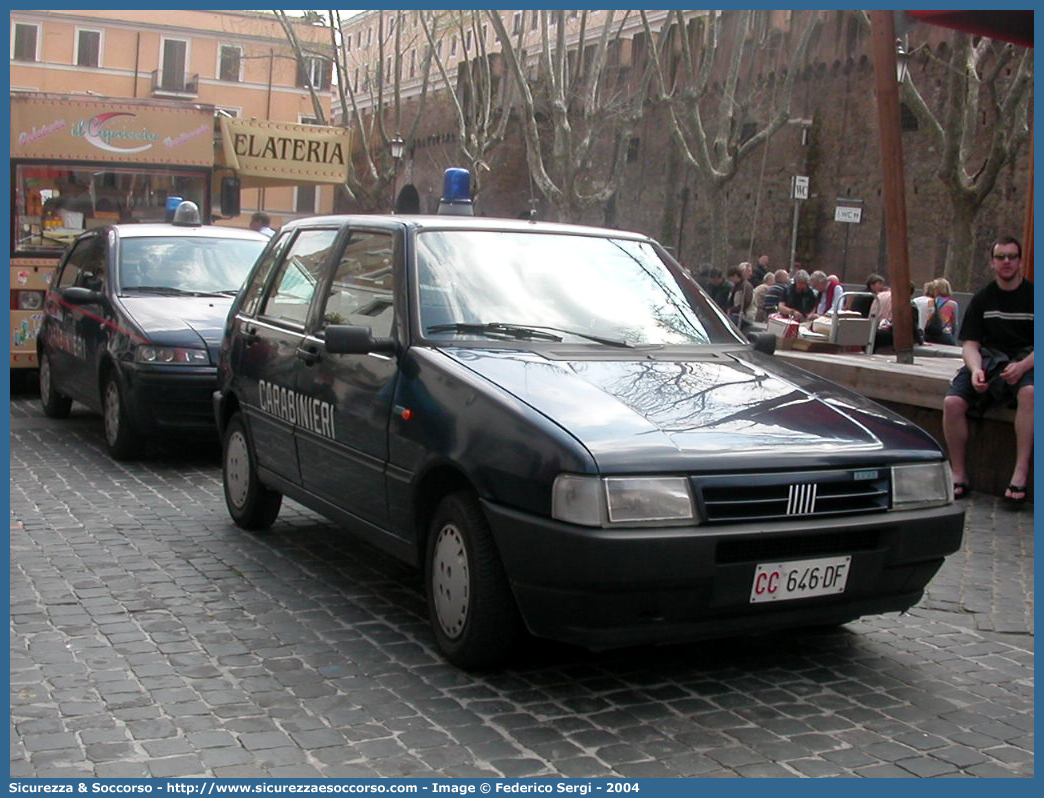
column 997, row 336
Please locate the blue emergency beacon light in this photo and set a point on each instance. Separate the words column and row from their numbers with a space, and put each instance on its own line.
column 456, row 193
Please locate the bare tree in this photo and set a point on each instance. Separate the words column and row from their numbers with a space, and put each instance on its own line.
column 710, row 135
column 971, row 158
column 576, row 159
column 477, row 93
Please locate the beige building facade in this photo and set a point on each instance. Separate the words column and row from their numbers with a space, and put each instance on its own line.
column 238, row 61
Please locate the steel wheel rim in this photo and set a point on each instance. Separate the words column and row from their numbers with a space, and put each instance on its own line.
column 45, row 379
column 450, row 581
column 237, row 469
column 112, row 413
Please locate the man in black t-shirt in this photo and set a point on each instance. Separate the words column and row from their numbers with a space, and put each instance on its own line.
column 997, row 336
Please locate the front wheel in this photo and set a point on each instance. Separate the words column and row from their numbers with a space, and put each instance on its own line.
column 55, row 405
column 120, row 436
column 251, row 504
column 470, row 605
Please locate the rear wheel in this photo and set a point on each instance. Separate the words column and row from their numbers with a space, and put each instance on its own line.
column 55, row 405
column 251, row 504
column 471, row 608
column 122, row 439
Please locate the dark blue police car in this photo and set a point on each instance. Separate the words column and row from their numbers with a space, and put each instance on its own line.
column 557, row 425
column 132, row 324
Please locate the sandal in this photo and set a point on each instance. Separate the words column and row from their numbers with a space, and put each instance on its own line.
column 960, row 490
column 1015, row 489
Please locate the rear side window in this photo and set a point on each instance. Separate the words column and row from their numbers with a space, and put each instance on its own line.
column 299, row 275
column 363, row 288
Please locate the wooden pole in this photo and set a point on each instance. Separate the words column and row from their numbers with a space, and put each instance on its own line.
column 882, row 44
column 1027, row 228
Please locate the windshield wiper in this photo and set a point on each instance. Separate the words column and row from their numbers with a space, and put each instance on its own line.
column 520, row 331
column 165, row 290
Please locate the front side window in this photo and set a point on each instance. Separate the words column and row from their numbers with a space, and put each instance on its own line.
column 298, row 277
column 85, row 267
column 559, row 287
column 363, row 287
column 185, row 265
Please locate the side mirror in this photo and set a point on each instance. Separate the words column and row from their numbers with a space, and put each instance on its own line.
column 229, row 196
column 78, row 295
column 344, row 339
column 763, row 342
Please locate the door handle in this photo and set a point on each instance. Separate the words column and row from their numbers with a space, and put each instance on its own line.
column 309, row 355
column 250, row 335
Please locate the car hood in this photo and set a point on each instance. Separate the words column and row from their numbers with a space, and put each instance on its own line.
column 181, row 320
column 670, row 411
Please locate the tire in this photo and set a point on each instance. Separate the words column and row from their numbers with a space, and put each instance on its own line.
column 55, row 404
column 121, row 438
column 251, row 504
column 470, row 606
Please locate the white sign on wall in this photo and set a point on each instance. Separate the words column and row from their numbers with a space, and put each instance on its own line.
column 799, row 188
column 843, row 213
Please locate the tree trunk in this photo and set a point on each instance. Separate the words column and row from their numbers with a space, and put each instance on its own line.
column 962, row 261
column 719, row 234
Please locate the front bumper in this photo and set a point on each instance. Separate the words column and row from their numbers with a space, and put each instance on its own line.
column 606, row 588
column 171, row 399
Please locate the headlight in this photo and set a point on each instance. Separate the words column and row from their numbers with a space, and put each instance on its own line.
column 172, row 355
column 26, row 300
column 621, row 501
column 927, row 485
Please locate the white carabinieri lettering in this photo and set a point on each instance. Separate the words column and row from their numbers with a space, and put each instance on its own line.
column 296, row 408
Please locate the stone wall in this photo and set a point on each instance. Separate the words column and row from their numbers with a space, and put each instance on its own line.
column 838, row 152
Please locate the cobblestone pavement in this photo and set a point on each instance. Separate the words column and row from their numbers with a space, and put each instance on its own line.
column 151, row 637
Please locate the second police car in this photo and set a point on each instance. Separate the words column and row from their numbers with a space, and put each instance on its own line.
column 559, row 427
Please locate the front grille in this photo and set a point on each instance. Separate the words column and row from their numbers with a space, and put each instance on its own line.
column 795, row 547
column 797, row 494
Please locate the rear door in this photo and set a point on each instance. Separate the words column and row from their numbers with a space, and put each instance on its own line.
column 343, row 443
column 267, row 337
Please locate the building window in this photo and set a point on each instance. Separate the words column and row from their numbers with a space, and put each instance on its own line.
column 413, row 62
column 315, row 72
column 907, row 118
column 231, row 63
column 88, row 48
column 24, row 41
column 533, row 19
column 632, row 149
column 453, row 46
column 516, row 23
column 175, row 59
column 306, row 199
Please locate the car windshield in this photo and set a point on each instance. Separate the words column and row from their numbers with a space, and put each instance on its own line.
column 478, row 285
column 186, row 265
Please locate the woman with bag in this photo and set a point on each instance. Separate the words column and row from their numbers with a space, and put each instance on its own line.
column 940, row 326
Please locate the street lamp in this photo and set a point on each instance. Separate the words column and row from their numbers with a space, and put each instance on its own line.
column 902, row 62
column 396, row 147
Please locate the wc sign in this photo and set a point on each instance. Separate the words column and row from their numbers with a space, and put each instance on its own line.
column 846, row 213
column 799, row 187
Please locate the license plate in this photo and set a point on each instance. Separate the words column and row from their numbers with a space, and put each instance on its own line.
column 799, row 579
